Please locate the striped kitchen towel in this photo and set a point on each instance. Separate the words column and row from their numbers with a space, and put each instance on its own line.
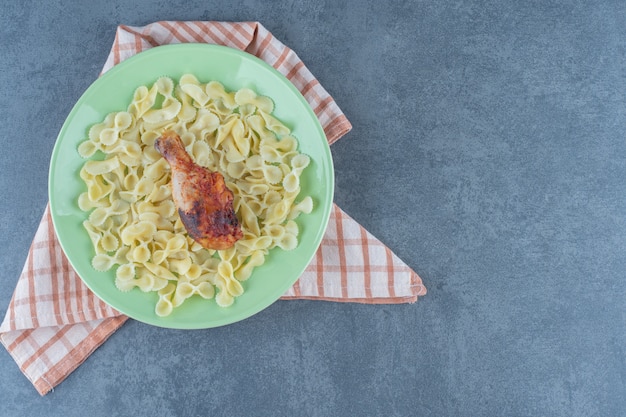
column 54, row 321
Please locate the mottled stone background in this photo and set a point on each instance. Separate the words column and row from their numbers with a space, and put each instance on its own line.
column 488, row 152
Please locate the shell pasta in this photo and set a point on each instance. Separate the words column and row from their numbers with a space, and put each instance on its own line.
column 133, row 224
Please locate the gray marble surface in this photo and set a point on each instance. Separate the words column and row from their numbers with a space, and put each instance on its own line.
column 488, row 152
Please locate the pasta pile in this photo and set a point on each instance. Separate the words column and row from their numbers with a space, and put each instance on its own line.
column 133, row 223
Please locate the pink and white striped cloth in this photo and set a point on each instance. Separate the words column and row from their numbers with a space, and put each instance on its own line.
column 54, row 321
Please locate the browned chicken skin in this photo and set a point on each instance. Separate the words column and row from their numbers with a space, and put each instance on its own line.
column 204, row 203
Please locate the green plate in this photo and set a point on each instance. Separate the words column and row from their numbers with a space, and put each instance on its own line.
column 113, row 91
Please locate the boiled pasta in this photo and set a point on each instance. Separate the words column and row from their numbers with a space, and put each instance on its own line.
column 133, row 223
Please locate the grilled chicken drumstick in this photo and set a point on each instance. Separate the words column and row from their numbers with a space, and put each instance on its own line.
column 204, row 203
